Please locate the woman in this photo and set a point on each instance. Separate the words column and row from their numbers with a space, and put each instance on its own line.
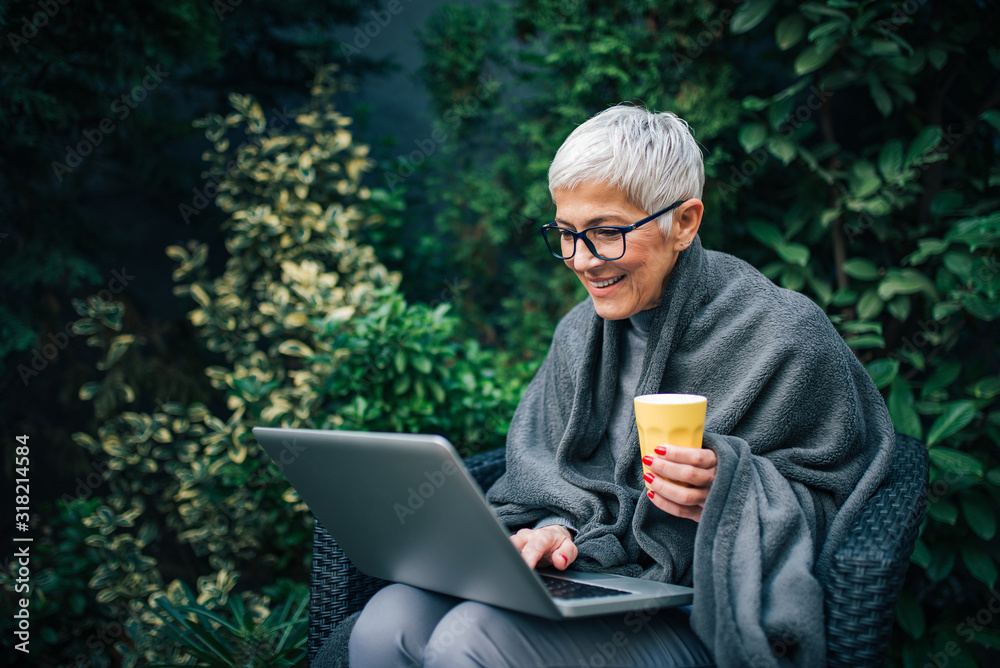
column 796, row 437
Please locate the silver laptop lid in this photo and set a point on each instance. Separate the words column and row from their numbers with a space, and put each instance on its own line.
column 385, row 499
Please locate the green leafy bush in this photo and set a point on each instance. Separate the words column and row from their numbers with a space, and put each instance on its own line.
column 245, row 638
column 64, row 613
column 909, row 211
column 309, row 330
column 311, row 322
column 62, row 92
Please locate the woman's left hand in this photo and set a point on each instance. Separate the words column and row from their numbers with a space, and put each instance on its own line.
column 672, row 464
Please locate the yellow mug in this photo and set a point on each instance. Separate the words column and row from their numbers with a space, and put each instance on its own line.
column 671, row 419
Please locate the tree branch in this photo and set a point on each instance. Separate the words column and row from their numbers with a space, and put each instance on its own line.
column 837, row 228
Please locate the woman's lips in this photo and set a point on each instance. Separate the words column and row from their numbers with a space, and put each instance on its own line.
column 603, row 283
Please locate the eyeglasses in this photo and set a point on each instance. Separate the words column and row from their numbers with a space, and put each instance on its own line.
column 604, row 242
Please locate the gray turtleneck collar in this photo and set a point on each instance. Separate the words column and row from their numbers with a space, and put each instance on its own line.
column 643, row 320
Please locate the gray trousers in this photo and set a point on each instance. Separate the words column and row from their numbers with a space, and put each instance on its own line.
column 406, row 626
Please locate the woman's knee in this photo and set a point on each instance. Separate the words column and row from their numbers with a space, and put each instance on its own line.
column 372, row 637
column 394, row 626
column 472, row 634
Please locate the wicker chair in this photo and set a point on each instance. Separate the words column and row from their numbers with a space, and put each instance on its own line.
column 861, row 592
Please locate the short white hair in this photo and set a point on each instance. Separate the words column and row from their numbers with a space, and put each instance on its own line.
column 651, row 157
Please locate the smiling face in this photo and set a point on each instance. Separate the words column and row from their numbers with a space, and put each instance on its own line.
column 633, row 283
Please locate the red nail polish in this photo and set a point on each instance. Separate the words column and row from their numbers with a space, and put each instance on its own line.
column 660, row 450
column 647, row 460
column 648, row 477
column 650, row 494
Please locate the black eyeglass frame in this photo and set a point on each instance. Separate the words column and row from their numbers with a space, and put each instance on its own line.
column 590, row 246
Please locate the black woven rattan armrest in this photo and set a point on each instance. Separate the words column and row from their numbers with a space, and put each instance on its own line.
column 869, row 567
column 338, row 589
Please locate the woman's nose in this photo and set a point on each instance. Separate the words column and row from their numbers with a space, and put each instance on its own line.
column 583, row 259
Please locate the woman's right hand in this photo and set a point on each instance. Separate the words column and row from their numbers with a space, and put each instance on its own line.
column 549, row 546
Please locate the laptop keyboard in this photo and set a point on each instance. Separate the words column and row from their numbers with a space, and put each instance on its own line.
column 568, row 589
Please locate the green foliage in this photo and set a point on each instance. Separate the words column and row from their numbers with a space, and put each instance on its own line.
column 59, row 81
column 89, row 93
column 417, row 376
column 310, row 331
column 310, row 321
column 78, row 200
column 886, row 113
column 909, row 209
column 243, row 638
column 64, row 613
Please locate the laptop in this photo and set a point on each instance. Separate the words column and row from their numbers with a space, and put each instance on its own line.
column 404, row 508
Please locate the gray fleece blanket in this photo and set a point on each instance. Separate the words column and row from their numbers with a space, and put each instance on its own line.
column 802, row 436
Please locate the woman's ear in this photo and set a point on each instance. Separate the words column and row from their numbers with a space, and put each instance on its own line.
column 687, row 220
